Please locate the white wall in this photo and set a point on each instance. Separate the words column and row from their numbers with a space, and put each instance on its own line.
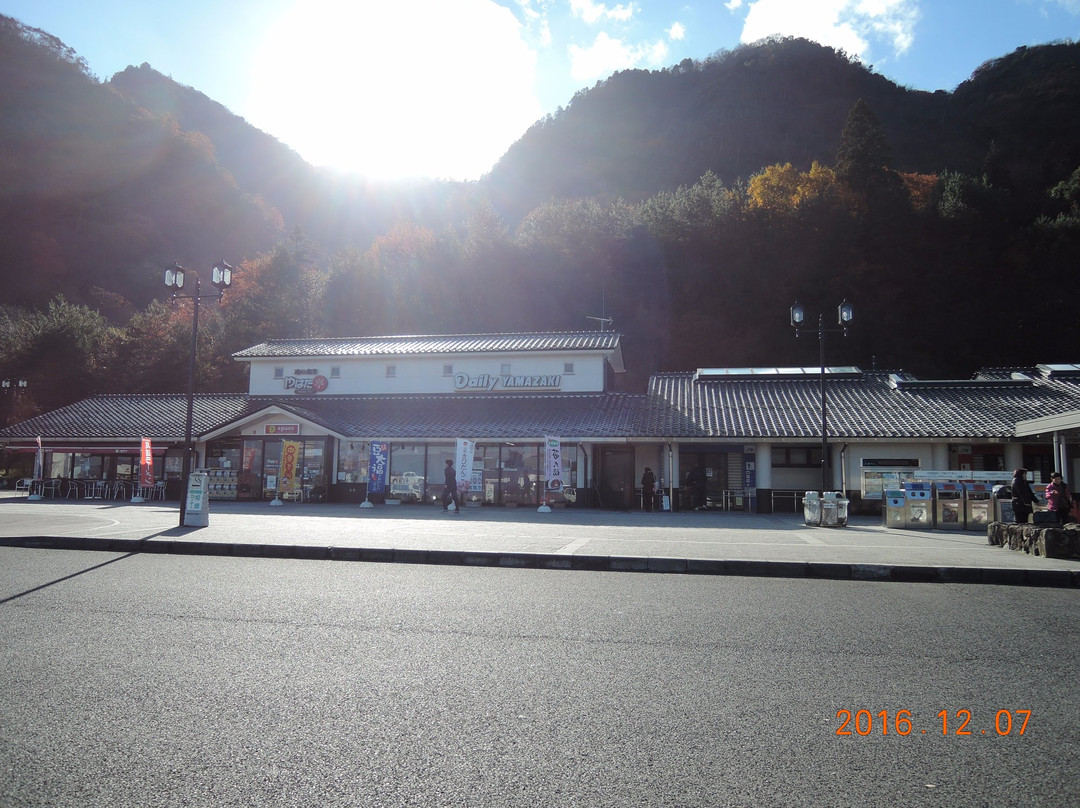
column 426, row 374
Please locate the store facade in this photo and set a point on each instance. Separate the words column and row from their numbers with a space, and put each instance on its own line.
column 724, row 439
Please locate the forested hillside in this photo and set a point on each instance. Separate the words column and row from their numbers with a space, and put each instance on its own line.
column 692, row 205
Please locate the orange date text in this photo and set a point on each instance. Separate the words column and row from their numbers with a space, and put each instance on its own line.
column 903, row 722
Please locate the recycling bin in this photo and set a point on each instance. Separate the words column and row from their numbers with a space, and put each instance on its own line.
column 1003, row 511
column 948, row 506
column 978, row 505
column 918, row 507
column 834, row 509
column 892, row 509
column 811, row 507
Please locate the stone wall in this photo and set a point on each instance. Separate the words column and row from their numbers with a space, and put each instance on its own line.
column 1052, row 541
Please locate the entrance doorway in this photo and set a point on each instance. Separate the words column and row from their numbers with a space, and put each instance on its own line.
column 616, row 477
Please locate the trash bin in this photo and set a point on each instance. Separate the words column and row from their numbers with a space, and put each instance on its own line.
column 918, row 513
column 1003, row 511
column 811, row 507
column 978, row 505
column 834, row 509
column 892, row 509
column 948, row 506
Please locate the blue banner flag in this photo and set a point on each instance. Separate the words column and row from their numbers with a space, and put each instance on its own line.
column 378, row 464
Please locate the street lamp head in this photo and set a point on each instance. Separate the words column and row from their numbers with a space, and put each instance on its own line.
column 222, row 275
column 798, row 314
column 845, row 313
column 174, row 277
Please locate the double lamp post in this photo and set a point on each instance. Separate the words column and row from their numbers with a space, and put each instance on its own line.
column 844, row 315
column 175, row 279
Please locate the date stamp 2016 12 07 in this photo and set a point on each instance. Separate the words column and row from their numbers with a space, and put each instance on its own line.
column 902, row 722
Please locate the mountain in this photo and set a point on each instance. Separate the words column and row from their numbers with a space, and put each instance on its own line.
column 693, row 204
column 98, row 193
column 785, row 100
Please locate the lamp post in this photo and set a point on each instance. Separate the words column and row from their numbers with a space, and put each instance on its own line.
column 175, row 278
column 844, row 315
column 14, row 388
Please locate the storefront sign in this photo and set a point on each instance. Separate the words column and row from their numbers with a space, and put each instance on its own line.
column 281, row 429
column 488, row 382
column 306, row 380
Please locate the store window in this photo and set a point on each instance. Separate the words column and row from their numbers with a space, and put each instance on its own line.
column 407, row 472
column 438, row 454
column 86, row 466
column 796, row 457
column 353, row 462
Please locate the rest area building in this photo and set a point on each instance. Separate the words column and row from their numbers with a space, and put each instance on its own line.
column 749, row 437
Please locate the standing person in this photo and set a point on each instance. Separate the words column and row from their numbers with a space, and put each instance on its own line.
column 1058, row 498
column 648, row 489
column 1022, row 497
column 449, row 493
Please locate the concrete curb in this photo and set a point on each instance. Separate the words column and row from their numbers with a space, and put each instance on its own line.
column 894, row 573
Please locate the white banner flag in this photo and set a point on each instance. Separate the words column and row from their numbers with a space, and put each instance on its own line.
column 463, row 462
column 553, row 465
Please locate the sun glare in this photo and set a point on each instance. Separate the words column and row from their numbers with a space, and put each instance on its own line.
column 411, row 88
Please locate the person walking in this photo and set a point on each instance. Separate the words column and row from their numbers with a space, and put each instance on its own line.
column 449, row 493
column 1058, row 498
column 648, row 489
column 1023, row 498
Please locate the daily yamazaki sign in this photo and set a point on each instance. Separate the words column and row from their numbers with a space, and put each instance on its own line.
column 488, row 382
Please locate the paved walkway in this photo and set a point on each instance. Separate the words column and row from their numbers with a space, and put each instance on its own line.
column 690, row 542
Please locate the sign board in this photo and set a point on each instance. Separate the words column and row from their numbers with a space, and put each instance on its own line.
column 197, row 507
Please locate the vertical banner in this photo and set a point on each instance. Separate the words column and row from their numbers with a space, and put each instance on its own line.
column 290, row 459
column 378, row 461
column 39, row 462
column 146, row 463
column 463, row 463
column 553, row 465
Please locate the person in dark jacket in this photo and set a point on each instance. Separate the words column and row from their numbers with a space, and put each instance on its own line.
column 449, row 493
column 648, row 489
column 1023, row 498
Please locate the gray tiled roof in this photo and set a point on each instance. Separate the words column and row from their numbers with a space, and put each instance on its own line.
column 581, row 416
column 433, row 344
column 161, row 417
column 863, row 405
column 125, row 417
column 677, row 406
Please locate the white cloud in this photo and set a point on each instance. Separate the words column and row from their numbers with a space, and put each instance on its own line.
column 677, row 31
column 855, row 26
column 396, row 89
column 732, row 5
column 607, row 55
column 592, row 12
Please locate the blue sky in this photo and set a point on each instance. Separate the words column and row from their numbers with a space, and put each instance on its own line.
column 441, row 88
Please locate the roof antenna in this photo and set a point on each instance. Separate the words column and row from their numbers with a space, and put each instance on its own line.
column 602, row 320
column 603, row 309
